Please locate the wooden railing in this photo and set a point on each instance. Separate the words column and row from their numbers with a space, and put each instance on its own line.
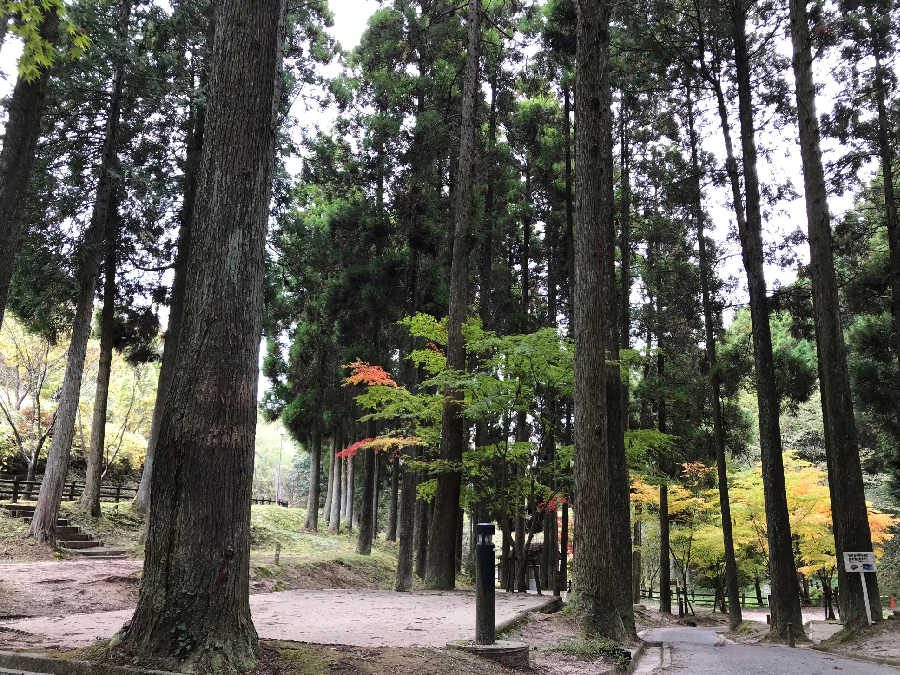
column 17, row 489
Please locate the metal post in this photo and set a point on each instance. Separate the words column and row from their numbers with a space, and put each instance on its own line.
column 15, row 494
column 862, row 578
column 485, row 628
column 790, row 628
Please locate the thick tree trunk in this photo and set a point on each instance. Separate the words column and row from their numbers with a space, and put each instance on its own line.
column 315, row 468
column 194, row 595
column 594, row 214
column 407, row 526
column 848, row 499
column 731, row 576
column 90, row 498
column 43, row 524
column 441, row 568
column 785, row 592
column 23, row 126
column 193, row 152
column 367, row 505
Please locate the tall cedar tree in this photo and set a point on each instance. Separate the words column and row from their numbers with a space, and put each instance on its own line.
column 17, row 157
column 441, row 566
column 43, row 524
column 848, row 498
column 194, row 593
column 731, row 574
column 594, row 214
column 782, row 571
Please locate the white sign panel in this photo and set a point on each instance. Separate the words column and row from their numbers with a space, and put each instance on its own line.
column 860, row 562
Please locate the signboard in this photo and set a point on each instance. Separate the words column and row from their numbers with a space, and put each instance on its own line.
column 860, row 562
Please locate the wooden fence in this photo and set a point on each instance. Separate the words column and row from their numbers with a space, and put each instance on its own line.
column 16, row 489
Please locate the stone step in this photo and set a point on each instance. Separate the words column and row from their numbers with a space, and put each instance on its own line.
column 19, row 507
column 100, row 553
column 74, row 536
column 80, row 544
column 60, row 522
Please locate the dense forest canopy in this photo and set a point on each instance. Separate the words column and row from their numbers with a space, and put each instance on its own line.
column 622, row 279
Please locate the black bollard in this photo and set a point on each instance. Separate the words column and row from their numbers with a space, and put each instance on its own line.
column 485, row 628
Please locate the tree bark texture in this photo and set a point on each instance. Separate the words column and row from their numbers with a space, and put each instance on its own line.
column 90, row 498
column 392, row 513
column 334, row 522
column 594, row 213
column 194, row 594
column 706, row 275
column 315, row 468
column 406, row 525
column 23, row 126
column 421, row 533
column 329, row 494
column 367, row 505
column 782, row 573
column 886, row 155
column 441, row 568
column 850, row 520
column 617, row 473
column 43, row 524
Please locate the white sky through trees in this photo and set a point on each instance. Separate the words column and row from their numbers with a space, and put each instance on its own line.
column 782, row 160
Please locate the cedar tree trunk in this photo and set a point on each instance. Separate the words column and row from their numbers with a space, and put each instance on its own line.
column 43, row 524
column 441, row 567
column 194, row 594
column 90, row 498
column 594, row 213
column 23, row 126
column 731, row 575
column 850, row 520
column 782, row 573
column 315, row 468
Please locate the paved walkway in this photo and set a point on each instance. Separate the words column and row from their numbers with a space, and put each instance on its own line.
column 702, row 651
column 340, row 617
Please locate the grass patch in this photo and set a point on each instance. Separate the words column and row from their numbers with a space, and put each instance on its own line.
column 592, row 648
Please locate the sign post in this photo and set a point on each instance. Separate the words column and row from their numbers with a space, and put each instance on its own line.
column 862, row 562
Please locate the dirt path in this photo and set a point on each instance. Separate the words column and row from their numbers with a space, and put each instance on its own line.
column 60, row 588
column 345, row 617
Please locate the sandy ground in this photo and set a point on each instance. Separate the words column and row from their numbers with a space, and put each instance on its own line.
column 346, row 617
column 59, row 588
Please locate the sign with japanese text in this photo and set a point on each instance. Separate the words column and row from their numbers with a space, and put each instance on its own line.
column 860, row 562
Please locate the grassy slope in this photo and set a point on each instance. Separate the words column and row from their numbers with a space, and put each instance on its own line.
column 307, row 560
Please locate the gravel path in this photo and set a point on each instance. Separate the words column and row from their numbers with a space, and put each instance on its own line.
column 702, row 651
column 345, row 617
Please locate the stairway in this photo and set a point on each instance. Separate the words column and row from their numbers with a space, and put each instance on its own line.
column 68, row 537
